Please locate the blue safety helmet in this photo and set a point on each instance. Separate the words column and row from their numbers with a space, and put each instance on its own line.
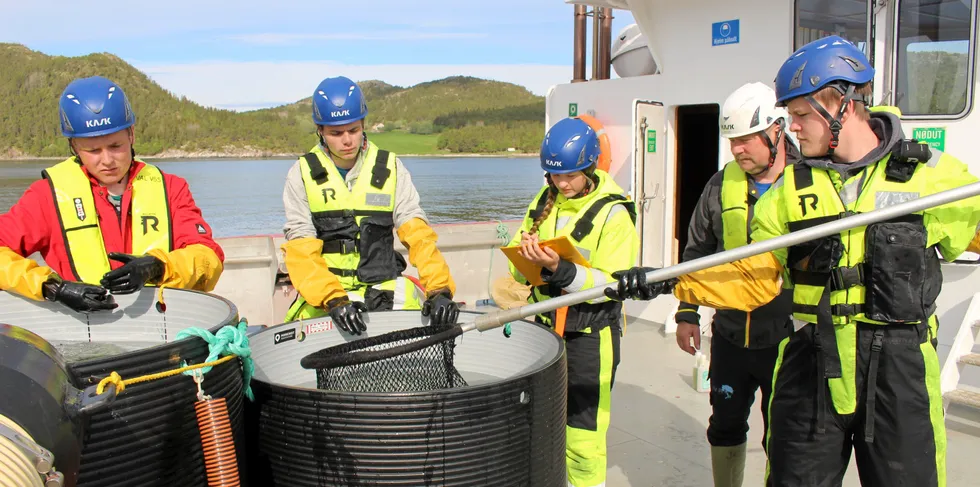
column 828, row 62
column 819, row 64
column 570, row 145
column 338, row 101
column 91, row 107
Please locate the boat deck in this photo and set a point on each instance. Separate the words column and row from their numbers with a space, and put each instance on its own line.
column 657, row 432
column 657, row 436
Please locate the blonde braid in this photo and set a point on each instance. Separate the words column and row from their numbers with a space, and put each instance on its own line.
column 549, row 203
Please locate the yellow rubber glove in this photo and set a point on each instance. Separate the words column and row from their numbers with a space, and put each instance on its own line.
column 420, row 239
column 309, row 273
column 22, row 275
column 194, row 267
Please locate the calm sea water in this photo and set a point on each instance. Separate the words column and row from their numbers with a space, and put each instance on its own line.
column 244, row 197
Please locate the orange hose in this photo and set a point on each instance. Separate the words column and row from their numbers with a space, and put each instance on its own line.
column 218, row 443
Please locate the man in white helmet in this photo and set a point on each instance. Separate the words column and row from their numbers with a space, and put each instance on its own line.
column 744, row 345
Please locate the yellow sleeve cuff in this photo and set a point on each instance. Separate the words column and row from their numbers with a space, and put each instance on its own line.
column 194, row 267
column 309, row 273
column 420, row 239
column 22, row 275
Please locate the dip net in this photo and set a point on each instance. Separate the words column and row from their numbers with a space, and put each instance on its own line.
column 413, row 360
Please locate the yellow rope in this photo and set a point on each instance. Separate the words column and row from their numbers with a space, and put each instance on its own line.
column 121, row 384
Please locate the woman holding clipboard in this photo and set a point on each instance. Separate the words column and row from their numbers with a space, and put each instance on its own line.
column 579, row 229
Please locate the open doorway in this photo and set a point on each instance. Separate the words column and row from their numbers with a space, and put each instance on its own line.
column 696, row 161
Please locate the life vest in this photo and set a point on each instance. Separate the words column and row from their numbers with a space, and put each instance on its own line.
column 887, row 272
column 767, row 323
column 72, row 191
column 356, row 225
column 735, row 212
column 583, row 230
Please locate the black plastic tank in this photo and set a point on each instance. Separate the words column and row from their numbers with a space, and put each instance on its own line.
column 505, row 428
column 149, row 435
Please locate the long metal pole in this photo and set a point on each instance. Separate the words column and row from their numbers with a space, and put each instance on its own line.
column 596, row 27
column 499, row 318
column 578, row 69
column 605, row 43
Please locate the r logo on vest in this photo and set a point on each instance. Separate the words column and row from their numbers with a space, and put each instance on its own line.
column 813, row 202
column 150, row 222
column 329, row 194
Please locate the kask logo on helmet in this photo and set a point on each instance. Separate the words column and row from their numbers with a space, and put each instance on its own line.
column 552, row 162
column 340, row 113
column 97, row 123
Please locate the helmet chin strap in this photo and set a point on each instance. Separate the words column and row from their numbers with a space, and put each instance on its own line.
column 834, row 122
column 591, row 181
column 759, row 172
column 773, row 149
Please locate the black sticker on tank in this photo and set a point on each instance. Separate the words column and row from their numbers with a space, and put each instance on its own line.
column 285, row 336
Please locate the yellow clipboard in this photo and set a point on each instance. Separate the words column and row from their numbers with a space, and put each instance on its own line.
column 531, row 271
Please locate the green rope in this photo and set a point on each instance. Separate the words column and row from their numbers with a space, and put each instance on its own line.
column 229, row 340
column 504, row 235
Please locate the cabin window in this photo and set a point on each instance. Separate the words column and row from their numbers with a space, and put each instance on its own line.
column 820, row 18
column 933, row 67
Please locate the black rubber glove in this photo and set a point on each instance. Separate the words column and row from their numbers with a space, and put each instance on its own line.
column 135, row 272
column 78, row 296
column 347, row 315
column 441, row 309
column 633, row 285
column 821, row 255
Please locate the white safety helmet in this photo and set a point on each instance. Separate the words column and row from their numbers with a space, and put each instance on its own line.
column 750, row 109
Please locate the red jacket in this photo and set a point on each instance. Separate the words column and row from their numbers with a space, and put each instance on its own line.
column 32, row 225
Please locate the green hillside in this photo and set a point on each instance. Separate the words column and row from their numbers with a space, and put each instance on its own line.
column 505, row 114
column 456, row 114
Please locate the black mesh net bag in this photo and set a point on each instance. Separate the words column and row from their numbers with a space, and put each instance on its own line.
column 413, row 360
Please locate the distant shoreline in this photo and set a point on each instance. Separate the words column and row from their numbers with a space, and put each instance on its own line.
column 222, row 157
